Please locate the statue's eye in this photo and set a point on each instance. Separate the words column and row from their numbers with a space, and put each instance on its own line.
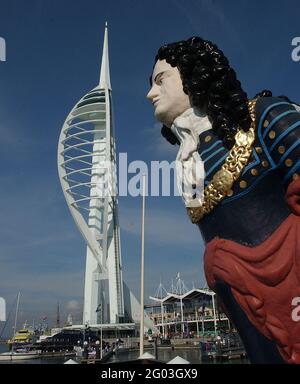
column 160, row 80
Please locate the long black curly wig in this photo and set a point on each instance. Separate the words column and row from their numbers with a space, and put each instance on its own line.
column 212, row 86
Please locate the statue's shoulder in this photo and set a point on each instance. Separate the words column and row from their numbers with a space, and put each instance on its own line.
column 265, row 105
column 278, row 134
column 275, row 112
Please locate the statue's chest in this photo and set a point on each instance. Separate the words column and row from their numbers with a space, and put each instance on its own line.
column 214, row 154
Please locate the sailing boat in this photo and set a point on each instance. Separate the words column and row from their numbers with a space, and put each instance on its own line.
column 20, row 355
column 20, row 342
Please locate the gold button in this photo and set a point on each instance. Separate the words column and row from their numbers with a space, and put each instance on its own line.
column 254, row 172
column 207, row 139
column 266, row 123
column 281, row 149
column 258, row 150
column 295, row 176
column 265, row 164
column 272, row 134
column 288, row 162
column 230, row 193
column 243, row 184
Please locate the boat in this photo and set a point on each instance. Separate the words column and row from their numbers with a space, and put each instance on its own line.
column 23, row 337
column 218, row 351
column 120, row 349
column 29, row 354
column 20, row 355
column 63, row 340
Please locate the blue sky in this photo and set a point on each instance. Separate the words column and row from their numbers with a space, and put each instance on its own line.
column 53, row 59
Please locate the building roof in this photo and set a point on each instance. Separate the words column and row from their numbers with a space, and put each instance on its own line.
column 193, row 294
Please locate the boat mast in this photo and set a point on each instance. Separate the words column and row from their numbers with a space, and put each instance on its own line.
column 57, row 316
column 16, row 317
column 15, row 327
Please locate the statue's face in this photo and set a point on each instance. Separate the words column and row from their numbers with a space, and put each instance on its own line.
column 166, row 93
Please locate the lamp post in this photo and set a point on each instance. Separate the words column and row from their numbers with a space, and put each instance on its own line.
column 85, row 350
column 99, row 309
column 197, row 324
column 202, row 317
column 84, row 332
column 98, row 353
column 162, row 318
column 218, row 344
column 214, row 310
column 182, row 323
column 101, row 335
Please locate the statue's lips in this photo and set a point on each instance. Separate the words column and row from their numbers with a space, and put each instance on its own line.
column 154, row 103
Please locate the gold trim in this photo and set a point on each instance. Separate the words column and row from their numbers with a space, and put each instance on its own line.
column 230, row 171
column 288, row 162
column 272, row 134
column 265, row 163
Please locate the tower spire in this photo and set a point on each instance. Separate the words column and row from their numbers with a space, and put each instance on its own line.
column 104, row 73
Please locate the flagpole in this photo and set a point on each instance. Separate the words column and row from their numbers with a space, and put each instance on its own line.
column 142, row 268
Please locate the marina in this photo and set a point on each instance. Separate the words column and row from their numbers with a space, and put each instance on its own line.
column 186, row 324
column 193, row 351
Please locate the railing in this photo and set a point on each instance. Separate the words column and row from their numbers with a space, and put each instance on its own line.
column 172, row 321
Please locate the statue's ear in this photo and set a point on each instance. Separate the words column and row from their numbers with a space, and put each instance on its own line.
column 169, row 135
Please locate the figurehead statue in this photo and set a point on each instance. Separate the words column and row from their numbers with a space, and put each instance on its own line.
column 240, row 186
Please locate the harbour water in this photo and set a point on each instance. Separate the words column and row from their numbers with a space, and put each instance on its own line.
column 193, row 355
column 52, row 360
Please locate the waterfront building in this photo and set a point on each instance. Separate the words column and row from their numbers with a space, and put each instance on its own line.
column 187, row 313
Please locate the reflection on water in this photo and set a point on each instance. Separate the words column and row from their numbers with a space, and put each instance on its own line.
column 3, row 348
column 164, row 354
column 167, row 354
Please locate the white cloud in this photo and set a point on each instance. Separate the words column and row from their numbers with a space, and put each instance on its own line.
column 73, row 305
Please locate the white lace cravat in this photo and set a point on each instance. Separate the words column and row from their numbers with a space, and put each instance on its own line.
column 189, row 165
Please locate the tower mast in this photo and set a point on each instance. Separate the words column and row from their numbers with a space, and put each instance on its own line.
column 104, row 80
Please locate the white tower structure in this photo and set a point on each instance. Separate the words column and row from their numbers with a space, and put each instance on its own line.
column 87, row 169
